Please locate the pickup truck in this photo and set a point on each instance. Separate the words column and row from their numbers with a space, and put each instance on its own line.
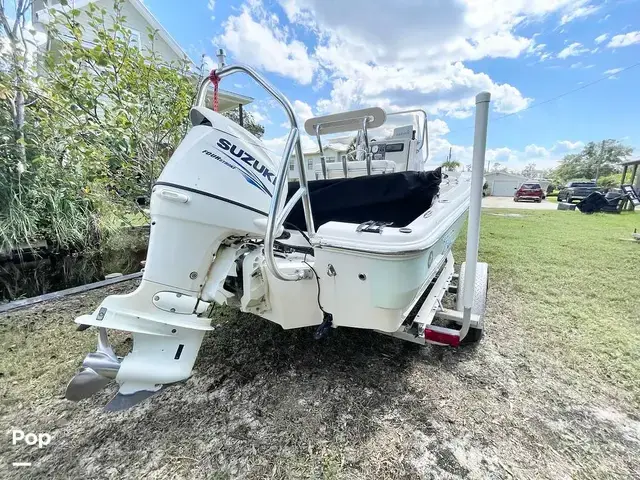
column 576, row 191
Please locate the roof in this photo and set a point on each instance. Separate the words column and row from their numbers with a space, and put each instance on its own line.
column 633, row 161
column 43, row 17
column 227, row 100
column 506, row 174
column 338, row 147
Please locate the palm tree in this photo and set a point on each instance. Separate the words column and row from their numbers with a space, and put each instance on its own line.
column 450, row 165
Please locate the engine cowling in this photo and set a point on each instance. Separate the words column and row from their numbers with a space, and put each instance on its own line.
column 220, row 158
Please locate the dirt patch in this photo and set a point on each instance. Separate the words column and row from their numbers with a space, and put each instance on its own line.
column 269, row 403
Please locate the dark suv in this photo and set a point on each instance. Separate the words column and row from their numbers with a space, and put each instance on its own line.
column 576, row 191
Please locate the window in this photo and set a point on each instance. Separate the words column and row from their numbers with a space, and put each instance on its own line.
column 291, row 165
column 310, row 163
column 329, row 159
column 394, row 147
column 134, row 39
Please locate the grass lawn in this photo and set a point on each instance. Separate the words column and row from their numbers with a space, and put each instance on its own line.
column 575, row 280
column 551, row 392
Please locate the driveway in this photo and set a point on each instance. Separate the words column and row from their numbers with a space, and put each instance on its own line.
column 507, row 202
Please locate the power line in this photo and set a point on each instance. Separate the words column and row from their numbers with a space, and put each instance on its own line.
column 552, row 99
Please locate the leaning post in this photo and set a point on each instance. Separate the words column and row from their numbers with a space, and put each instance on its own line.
column 473, row 228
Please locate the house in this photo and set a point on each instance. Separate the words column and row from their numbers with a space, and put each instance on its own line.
column 333, row 152
column 139, row 20
column 503, row 184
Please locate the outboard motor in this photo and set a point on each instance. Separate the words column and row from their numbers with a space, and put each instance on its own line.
column 215, row 190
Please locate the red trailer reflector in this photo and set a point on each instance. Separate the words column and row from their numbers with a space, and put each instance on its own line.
column 446, row 336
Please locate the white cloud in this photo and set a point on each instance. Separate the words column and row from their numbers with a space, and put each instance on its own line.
column 275, row 145
column 208, row 63
column 601, row 38
column 302, row 110
column 579, row 12
column 535, row 151
column 449, row 89
column 211, row 4
column 611, row 73
column 513, row 159
column 573, row 50
column 261, row 43
column 625, row 39
column 418, row 62
column 259, row 117
column 567, row 146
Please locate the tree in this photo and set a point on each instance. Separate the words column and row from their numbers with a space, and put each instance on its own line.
column 451, row 165
column 596, row 159
column 82, row 141
column 248, row 121
column 351, row 149
column 16, row 71
column 529, row 171
column 497, row 167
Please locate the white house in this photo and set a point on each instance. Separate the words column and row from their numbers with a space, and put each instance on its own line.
column 503, row 184
column 139, row 20
column 333, row 152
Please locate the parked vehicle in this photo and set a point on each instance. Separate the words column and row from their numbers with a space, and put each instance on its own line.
column 529, row 191
column 576, row 191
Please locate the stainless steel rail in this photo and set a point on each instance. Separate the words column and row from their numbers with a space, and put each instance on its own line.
column 276, row 215
column 367, row 153
column 323, row 162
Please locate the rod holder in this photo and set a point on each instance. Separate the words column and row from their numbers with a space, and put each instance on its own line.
column 221, row 58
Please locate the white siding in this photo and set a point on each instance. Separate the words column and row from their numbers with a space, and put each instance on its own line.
column 312, row 160
column 135, row 22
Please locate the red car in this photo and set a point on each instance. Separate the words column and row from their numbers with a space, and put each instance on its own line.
column 529, row 191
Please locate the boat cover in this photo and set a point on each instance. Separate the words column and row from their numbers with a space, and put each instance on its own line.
column 394, row 198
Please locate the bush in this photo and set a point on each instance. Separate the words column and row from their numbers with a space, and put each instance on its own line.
column 99, row 126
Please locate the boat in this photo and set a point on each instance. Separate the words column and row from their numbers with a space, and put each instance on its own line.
column 367, row 246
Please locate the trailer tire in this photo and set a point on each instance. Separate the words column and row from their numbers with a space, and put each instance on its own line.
column 474, row 335
column 478, row 307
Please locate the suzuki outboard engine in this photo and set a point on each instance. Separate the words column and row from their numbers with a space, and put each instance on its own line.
column 213, row 193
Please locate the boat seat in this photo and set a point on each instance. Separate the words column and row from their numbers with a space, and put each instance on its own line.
column 395, row 198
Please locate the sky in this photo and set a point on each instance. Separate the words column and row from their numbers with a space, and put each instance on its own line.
column 328, row 56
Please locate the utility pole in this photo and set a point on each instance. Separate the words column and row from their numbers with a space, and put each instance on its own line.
column 599, row 162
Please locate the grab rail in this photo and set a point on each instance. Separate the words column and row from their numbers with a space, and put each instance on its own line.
column 425, row 137
column 275, row 218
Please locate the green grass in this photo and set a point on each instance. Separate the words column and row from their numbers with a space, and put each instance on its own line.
column 574, row 278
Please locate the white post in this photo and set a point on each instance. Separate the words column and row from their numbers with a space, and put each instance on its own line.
column 221, row 58
column 473, row 230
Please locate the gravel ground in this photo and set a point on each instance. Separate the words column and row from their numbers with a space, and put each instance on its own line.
column 268, row 403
